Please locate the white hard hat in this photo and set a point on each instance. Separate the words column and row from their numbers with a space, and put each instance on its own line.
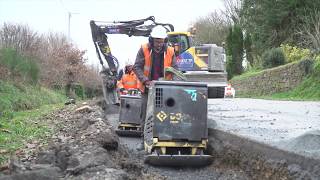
column 159, row 32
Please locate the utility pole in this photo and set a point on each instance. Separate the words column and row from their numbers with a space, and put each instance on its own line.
column 69, row 22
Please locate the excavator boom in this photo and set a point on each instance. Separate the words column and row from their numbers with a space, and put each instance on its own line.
column 99, row 30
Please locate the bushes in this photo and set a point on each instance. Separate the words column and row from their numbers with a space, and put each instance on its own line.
column 49, row 59
column 19, row 65
column 293, row 53
column 19, row 97
column 273, row 58
column 316, row 66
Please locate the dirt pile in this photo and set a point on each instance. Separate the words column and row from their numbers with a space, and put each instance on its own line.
column 84, row 146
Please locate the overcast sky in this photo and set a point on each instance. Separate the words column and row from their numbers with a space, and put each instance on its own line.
column 52, row 15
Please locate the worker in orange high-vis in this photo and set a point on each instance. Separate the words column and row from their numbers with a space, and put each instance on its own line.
column 151, row 61
column 128, row 81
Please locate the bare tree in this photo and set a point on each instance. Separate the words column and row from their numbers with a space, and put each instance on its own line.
column 310, row 31
column 211, row 29
column 61, row 63
column 19, row 37
column 232, row 10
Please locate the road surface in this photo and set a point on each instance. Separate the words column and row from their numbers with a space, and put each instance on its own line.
column 289, row 125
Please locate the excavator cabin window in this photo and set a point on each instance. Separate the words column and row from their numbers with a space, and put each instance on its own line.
column 180, row 42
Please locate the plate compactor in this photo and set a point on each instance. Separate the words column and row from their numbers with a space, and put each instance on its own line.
column 130, row 115
column 175, row 130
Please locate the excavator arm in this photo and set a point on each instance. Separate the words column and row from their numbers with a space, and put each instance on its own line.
column 109, row 63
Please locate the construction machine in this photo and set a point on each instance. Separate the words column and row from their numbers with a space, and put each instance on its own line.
column 129, row 119
column 202, row 63
column 129, row 116
column 175, row 132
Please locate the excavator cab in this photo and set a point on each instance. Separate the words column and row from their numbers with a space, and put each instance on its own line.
column 181, row 41
column 201, row 63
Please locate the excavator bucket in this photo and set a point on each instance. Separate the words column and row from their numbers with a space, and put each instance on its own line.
column 175, row 132
column 130, row 116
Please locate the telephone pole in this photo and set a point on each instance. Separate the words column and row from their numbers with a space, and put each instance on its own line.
column 69, row 22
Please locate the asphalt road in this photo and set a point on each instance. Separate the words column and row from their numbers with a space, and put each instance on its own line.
column 289, row 125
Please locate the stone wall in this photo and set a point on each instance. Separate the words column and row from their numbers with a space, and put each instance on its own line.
column 279, row 79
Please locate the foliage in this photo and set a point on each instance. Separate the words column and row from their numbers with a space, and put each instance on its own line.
column 309, row 33
column 229, row 67
column 272, row 23
column 19, row 65
column 307, row 90
column 273, row 58
column 234, row 51
column 79, row 90
column 247, row 43
column 17, row 97
column 293, row 53
column 211, row 29
column 21, row 38
column 19, row 122
column 316, row 66
column 49, row 59
column 247, row 74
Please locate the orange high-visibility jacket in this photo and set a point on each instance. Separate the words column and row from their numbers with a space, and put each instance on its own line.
column 148, row 63
column 128, row 81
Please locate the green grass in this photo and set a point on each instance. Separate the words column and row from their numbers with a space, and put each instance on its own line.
column 21, row 106
column 309, row 89
column 17, row 97
column 256, row 71
column 247, row 74
column 17, row 128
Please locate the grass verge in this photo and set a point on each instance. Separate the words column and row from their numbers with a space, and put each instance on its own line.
column 21, row 106
column 309, row 89
column 18, row 97
column 18, row 128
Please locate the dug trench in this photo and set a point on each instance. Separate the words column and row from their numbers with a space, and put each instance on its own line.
column 84, row 145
